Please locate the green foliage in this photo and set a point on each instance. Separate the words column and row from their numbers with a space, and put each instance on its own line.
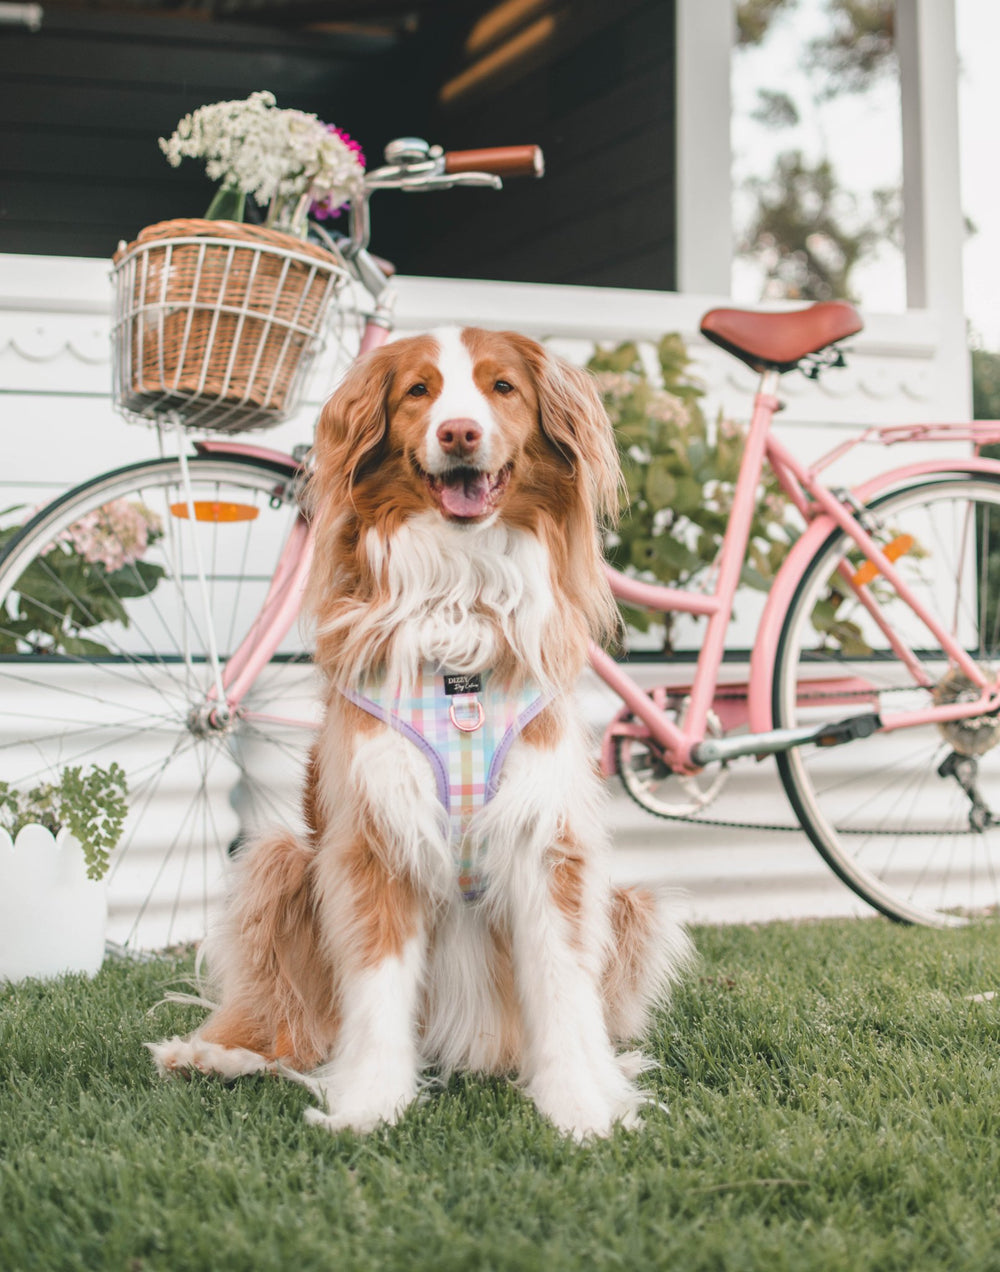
column 775, row 109
column 986, row 406
column 828, row 618
column 859, row 46
column 680, row 478
column 807, row 231
column 985, row 385
column 92, row 806
column 80, row 582
column 754, row 18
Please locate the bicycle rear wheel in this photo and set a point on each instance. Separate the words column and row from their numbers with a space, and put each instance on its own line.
column 105, row 656
column 910, row 819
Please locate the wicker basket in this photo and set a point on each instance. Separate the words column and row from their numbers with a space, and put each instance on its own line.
column 216, row 322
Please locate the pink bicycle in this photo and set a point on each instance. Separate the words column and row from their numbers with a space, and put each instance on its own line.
column 149, row 617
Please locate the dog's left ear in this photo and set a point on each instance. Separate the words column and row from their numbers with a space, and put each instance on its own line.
column 352, row 426
column 575, row 421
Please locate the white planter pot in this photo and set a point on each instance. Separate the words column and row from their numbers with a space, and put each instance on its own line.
column 52, row 917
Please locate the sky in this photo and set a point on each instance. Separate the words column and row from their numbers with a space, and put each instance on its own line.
column 861, row 135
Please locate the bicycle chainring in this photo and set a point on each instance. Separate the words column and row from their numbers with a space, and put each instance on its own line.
column 653, row 785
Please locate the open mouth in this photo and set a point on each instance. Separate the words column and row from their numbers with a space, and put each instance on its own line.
column 467, row 494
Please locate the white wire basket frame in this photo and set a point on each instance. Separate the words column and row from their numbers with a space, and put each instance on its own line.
column 216, row 324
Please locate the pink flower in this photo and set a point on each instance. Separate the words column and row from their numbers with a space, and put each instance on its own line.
column 113, row 536
column 325, row 209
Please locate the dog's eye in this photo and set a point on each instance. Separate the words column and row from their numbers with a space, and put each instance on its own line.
column 417, row 390
column 503, row 386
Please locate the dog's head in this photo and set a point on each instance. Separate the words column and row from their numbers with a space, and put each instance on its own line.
column 471, row 425
column 475, row 442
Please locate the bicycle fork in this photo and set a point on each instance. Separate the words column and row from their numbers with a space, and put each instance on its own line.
column 232, row 680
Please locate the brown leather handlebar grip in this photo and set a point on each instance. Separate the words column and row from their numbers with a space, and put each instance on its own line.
column 502, row 161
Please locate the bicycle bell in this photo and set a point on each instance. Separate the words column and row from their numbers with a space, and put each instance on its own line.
column 406, row 150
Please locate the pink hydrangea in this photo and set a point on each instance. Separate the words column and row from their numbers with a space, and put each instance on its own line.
column 116, row 535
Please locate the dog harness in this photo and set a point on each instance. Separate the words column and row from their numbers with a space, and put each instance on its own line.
column 465, row 726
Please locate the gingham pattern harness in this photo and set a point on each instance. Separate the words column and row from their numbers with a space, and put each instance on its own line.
column 465, row 726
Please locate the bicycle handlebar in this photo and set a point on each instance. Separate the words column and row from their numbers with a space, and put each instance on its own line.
column 501, row 161
column 413, row 165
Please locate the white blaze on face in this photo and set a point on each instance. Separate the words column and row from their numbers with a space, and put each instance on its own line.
column 460, row 399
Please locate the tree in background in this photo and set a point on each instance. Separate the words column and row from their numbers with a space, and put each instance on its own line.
column 802, row 234
column 754, row 18
column 859, row 45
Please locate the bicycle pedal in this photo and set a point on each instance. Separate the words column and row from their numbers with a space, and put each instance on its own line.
column 861, row 726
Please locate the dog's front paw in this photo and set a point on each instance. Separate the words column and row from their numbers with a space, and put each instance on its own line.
column 360, row 1107
column 585, row 1110
column 361, row 1121
column 184, row 1055
column 358, row 1118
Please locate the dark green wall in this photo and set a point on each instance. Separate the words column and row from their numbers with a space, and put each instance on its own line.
column 83, row 101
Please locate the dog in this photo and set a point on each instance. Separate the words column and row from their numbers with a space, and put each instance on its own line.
column 450, row 905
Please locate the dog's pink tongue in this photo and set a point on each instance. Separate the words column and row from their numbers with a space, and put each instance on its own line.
column 468, row 497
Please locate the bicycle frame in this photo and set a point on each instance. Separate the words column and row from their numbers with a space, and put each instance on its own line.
column 825, row 510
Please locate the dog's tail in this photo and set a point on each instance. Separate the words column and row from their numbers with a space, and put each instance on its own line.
column 650, row 951
column 268, row 958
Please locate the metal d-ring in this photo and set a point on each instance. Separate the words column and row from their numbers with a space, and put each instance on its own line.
column 469, row 727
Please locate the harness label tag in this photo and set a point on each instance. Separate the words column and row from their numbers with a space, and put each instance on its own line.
column 463, row 684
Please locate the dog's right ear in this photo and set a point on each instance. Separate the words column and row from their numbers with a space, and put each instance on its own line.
column 352, row 426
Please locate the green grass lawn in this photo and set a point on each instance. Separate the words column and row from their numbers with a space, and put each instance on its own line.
column 834, row 1102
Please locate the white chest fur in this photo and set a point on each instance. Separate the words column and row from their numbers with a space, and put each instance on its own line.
column 452, row 591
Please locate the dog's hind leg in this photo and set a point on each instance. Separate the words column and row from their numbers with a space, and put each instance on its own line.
column 649, row 952
column 229, row 1045
column 276, row 987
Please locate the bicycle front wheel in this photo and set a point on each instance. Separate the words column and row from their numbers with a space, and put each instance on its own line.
column 108, row 639
column 910, row 819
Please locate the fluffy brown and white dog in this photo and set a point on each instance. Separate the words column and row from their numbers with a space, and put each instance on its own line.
column 459, row 481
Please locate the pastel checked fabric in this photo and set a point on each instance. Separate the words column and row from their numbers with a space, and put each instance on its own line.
column 465, row 726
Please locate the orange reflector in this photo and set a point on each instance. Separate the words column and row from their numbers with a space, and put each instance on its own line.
column 213, row 510
column 894, row 550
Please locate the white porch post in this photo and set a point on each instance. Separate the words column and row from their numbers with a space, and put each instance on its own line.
column 933, row 225
column 704, row 42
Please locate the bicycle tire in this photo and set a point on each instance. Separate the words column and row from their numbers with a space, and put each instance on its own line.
column 104, row 657
column 893, row 824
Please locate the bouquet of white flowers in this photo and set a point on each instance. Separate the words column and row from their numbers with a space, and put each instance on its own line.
column 287, row 160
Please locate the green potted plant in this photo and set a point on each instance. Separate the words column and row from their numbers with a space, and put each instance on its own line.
column 55, row 844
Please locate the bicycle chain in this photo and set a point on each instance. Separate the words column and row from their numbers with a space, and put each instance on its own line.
column 774, row 826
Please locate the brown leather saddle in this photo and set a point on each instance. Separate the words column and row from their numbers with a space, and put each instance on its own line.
column 779, row 341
